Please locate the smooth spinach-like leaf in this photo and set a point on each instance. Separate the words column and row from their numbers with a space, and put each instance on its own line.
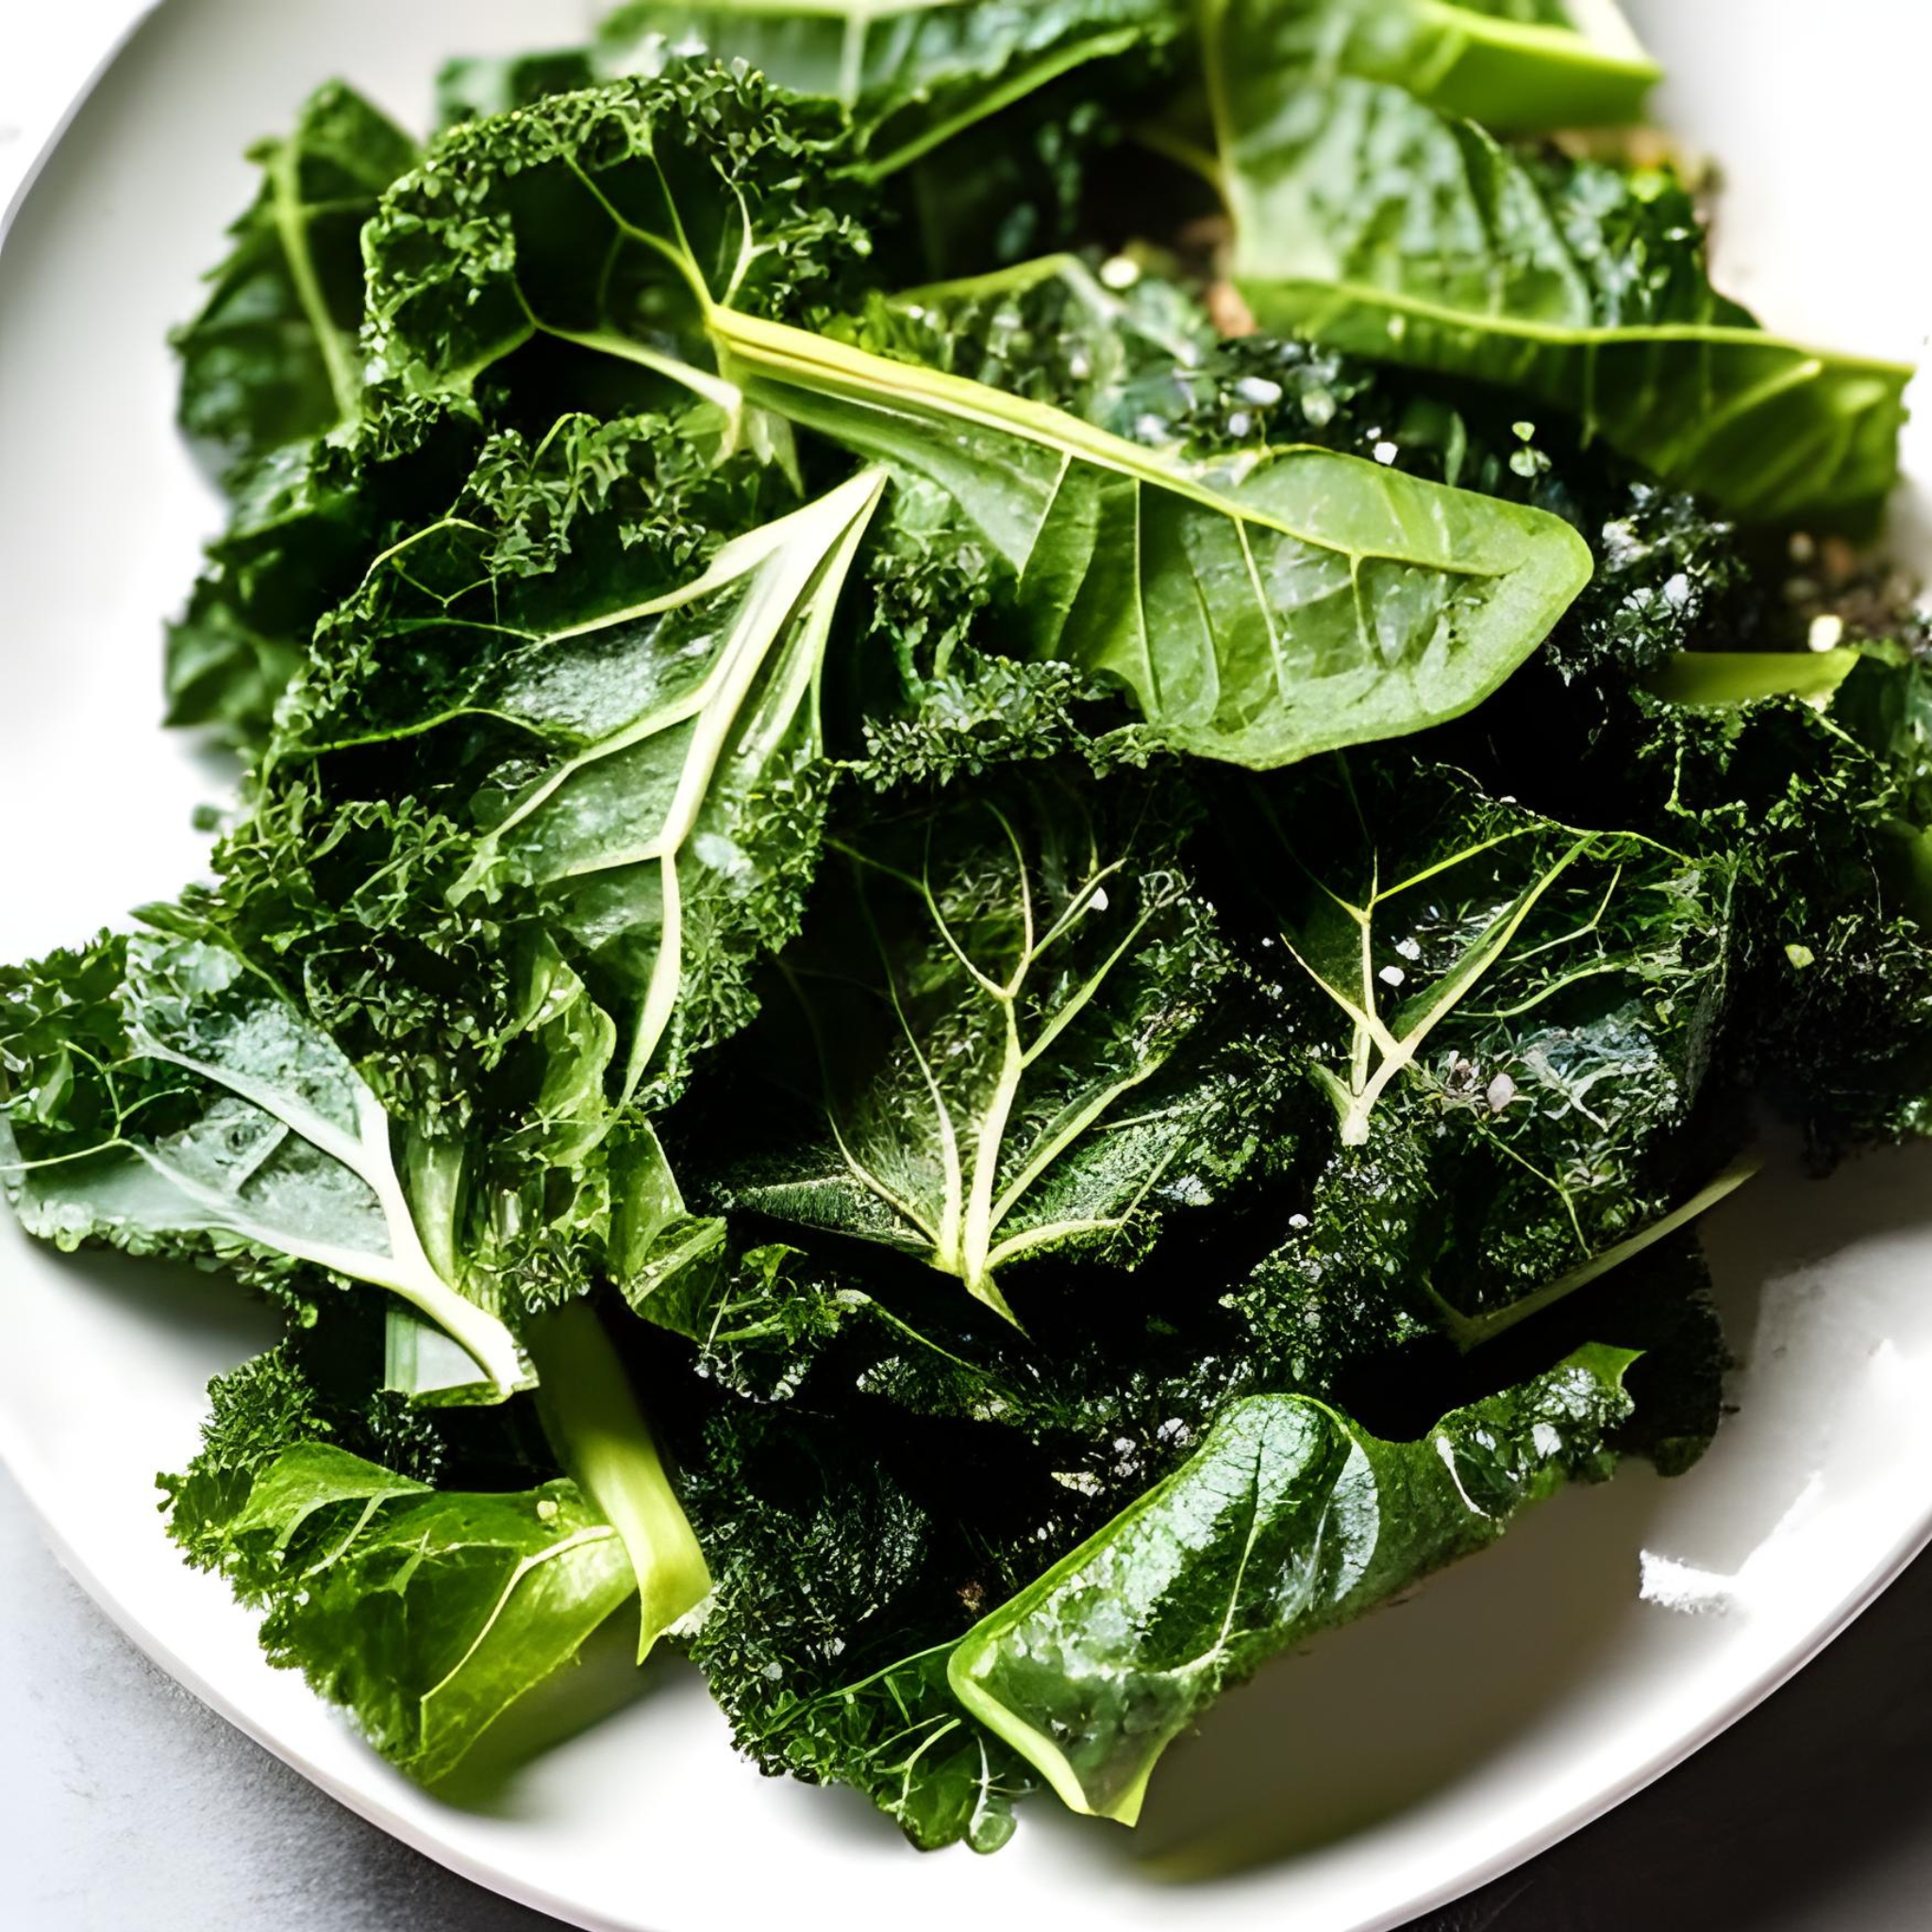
column 1257, row 611
column 1517, row 66
column 1290, row 1520
column 1371, row 220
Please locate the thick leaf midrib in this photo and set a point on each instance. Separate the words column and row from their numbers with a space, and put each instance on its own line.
column 1571, row 336
column 337, row 358
column 795, row 355
column 1570, row 46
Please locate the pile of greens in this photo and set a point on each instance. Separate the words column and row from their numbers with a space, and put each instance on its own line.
column 1034, row 791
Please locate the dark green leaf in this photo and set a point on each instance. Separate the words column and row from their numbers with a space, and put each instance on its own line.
column 1517, row 66
column 1289, row 1520
column 165, row 1097
column 1257, row 611
column 1368, row 219
column 1024, row 1021
column 272, row 358
column 1536, row 1004
column 426, row 1613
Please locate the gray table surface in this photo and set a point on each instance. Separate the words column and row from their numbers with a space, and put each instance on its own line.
column 128, row 1806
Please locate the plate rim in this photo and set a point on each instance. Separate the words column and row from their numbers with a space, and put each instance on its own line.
column 365, row 1801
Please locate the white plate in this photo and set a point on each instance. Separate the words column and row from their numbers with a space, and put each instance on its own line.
column 1401, row 1761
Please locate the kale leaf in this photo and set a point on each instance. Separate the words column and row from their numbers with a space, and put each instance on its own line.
column 1023, row 1019
column 165, row 1097
column 271, row 359
column 1373, row 221
column 1289, row 1520
column 426, row 1613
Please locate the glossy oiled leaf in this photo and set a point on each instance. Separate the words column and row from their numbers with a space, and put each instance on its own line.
column 1290, row 1520
column 165, row 1097
column 1013, row 1008
column 1518, row 66
column 1371, row 220
column 1258, row 610
column 1050, row 331
column 271, row 358
column 664, row 805
column 426, row 1613
column 913, row 73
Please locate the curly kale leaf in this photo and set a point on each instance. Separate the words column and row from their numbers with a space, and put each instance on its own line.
column 305, row 522
column 978, row 126
column 603, row 665
column 164, row 1096
column 272, row 378
column 1377, row 605
column 1020, row 1006
column 1834, row 982
column 912, row 73
column 268, row 1404
column 842, row 1578
column 929, row 692
column 608, row 220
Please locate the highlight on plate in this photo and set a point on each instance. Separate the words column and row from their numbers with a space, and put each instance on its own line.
column 1034, row 793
